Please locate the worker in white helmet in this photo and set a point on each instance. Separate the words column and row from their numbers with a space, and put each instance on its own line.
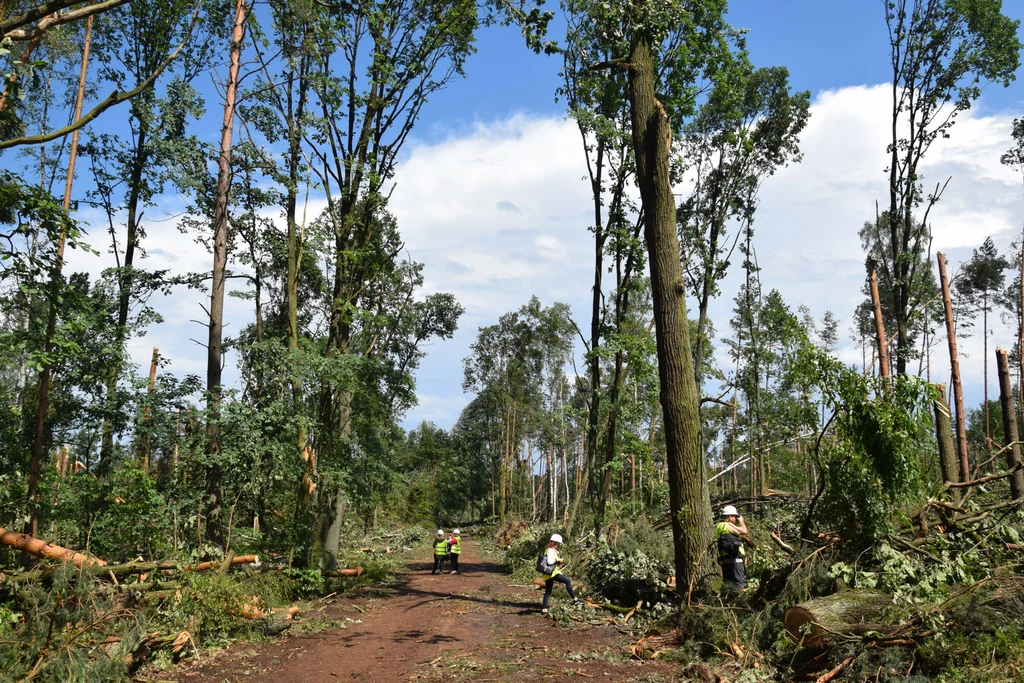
column 729, row 534
column 454, row 550
column 549, row 564
column 440, row 552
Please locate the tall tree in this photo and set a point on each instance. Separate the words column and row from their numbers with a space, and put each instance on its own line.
column 381, row 63
column 747, row 129
column 941, row 53
column 214, row 348
column 1014, row 158
column 129, row 171
column 56, row 278
column 980, row 283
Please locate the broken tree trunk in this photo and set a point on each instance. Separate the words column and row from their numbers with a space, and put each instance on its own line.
column 823, row 622
column 1009, row 424
column 101, row 568
column 954, row 365
column 876, row 307
column 40, row 548
column 944, row 437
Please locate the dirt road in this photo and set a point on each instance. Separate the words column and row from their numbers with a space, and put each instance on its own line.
column 468, row 627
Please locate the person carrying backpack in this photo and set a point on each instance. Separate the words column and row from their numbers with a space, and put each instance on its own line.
column 440, row 552
column 549, row 564
column 731, row 554
column 454, row 550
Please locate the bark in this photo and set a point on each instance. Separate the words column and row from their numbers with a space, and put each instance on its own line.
column 1010, row 424
column 688, row 491
column 881, row 339
column 40, row 548
column 984, row 355
column 944, row 436
column 954, row 362
column 42, row 406
column 821, row 622
column 214, row 358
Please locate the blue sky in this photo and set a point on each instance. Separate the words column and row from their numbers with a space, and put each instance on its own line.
column 490, row 198
column 829, row 47
column 825, row 44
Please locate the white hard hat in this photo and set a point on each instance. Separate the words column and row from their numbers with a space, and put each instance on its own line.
column 729, row 511
column 440, row 532
column 557, row 538
column 455, row 531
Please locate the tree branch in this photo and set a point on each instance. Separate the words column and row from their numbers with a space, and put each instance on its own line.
column 113, row 99
column 620, row 63
column 48, row 22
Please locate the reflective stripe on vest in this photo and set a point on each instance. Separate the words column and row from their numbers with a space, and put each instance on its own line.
column 441, row 547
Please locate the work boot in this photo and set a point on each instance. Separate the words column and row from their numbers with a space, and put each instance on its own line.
column 454, row 572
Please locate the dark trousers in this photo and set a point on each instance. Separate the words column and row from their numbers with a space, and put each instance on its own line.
column 454, row 557
column 439, row 563
column 734, row 574
column 550, row 583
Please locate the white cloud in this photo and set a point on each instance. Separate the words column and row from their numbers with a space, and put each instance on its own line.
column 500, row 212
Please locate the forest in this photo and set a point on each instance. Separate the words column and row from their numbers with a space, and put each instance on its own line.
column 154, row 518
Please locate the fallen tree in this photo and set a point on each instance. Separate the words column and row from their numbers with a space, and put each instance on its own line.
column 850, row 614
column 40, row 548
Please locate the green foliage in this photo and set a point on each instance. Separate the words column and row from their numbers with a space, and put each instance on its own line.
column 308, row 582
column 54, row 636
column 873, row 464
column 629, row 575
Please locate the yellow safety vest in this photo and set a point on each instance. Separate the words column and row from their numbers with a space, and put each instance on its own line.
column 441, row 547
column 722, row 529
column 456, row 546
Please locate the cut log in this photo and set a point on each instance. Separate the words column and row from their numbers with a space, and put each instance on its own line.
column 823, row 622
column 40, row 548
column 354, row 571
column 206, row 566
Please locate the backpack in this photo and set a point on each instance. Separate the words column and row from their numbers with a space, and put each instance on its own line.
column 729, row 546
column 543, row 566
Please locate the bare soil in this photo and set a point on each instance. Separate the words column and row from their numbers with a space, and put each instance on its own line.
column 472, row 626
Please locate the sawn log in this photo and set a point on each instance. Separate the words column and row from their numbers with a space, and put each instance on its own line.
column 823, row 622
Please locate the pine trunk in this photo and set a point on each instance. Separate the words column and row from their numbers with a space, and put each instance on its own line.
column 214, row 357
column 944, row 436
column 688, row 490
column 881, row 339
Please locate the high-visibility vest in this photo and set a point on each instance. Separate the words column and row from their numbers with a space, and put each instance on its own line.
column 441, row 547
column 456, row 545
column 722, row 529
